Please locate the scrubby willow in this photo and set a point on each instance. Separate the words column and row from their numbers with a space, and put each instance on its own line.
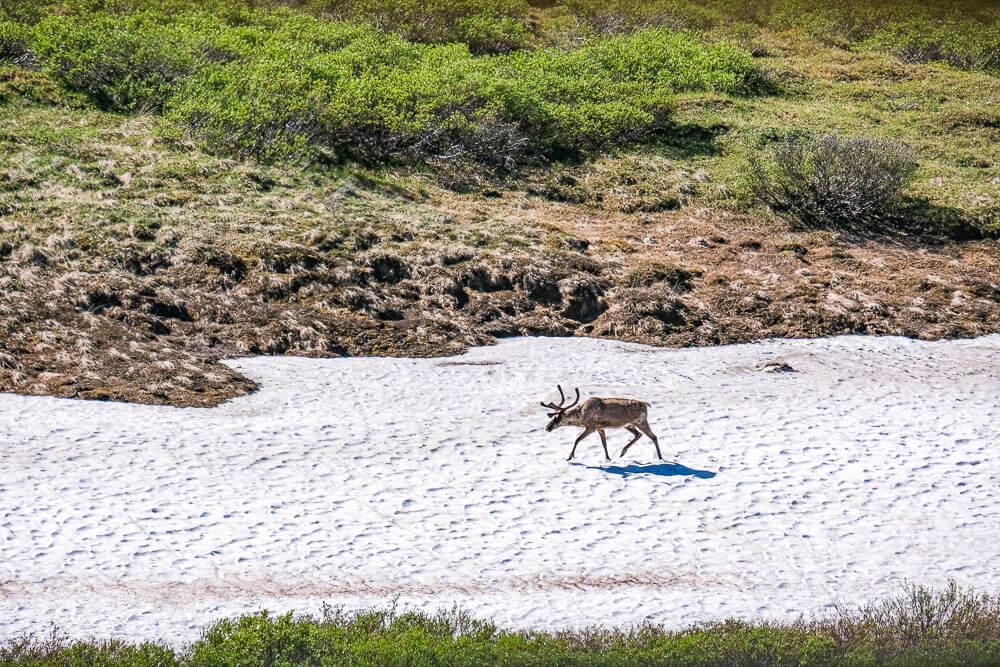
column 598, row 414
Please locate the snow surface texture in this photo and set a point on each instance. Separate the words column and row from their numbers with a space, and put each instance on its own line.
column 432, row 482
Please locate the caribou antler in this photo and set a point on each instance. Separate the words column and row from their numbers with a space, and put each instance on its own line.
column 562, row 399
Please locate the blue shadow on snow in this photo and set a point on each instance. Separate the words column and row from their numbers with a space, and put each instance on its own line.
column 660, row 469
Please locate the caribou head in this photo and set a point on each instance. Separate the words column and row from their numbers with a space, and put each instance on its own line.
column 559, row 411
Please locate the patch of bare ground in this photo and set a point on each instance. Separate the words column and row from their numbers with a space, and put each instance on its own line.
column 234, row 587
column 155, row 332
column 707, row 277
column 130, row 278
column 151, row 324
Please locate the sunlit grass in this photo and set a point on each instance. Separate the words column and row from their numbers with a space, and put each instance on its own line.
column 918, row 627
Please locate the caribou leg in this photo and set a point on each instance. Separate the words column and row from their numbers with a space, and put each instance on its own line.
column 634, row 432
column 587, row 431
column 644, row 427
column 604, row 441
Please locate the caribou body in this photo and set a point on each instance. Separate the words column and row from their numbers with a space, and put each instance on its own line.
column 598, row 414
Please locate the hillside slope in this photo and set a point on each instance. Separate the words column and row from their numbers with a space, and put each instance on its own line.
column 145, row 233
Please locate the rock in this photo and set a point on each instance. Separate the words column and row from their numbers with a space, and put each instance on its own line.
column 777, row 367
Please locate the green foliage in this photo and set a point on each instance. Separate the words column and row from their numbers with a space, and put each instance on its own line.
column 920, row 616
column 260, row 639
column 623, row 16
column 369, row 638
column 957, row 40
column 18, row 83
column 377, row 97
column 407, row 81
column 57, row 650
column 281, row 84
column 485, row 27
column 124, row 63
column 15, row 40
column 964, row 33
column 920, row 627
column 832, row 181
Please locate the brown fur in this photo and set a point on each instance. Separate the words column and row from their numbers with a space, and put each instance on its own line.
column 598, row 414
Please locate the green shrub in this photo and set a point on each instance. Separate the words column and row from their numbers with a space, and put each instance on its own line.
column 959, row 41
column 126, row 63
column 493, row 26
column 832, row 180
column 677, row 61
column 375, row 97
column 279, row 84
column 963, row 33
column 485, row 27
column 625, row 16
column 388, row 638
column 15, row 40
column 261, row 639
column 951, row 626
column 58, row 650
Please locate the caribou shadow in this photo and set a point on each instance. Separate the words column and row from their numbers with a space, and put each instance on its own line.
column 660, row 469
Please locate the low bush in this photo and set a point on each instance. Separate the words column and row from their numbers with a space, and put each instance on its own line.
column 280, row 84
column 58, row 650
column 15, row 40
column 128, row 63
column 485, row 27
column 920, row 627
column 918, row 616
column 379, row 98
column 961, row 42
column 624, row 16
column 831, row 181
column 963, row 33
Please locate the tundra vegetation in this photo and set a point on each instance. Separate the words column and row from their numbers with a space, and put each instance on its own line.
column 951, row 626
column 186, row 180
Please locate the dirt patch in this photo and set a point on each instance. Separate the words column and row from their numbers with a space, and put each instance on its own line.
column 235, row 588
column 470, row 363
column 154, row 332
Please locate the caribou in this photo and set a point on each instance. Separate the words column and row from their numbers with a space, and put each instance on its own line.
column 598, row 414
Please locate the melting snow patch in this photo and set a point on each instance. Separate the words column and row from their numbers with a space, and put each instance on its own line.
column 360, row 481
